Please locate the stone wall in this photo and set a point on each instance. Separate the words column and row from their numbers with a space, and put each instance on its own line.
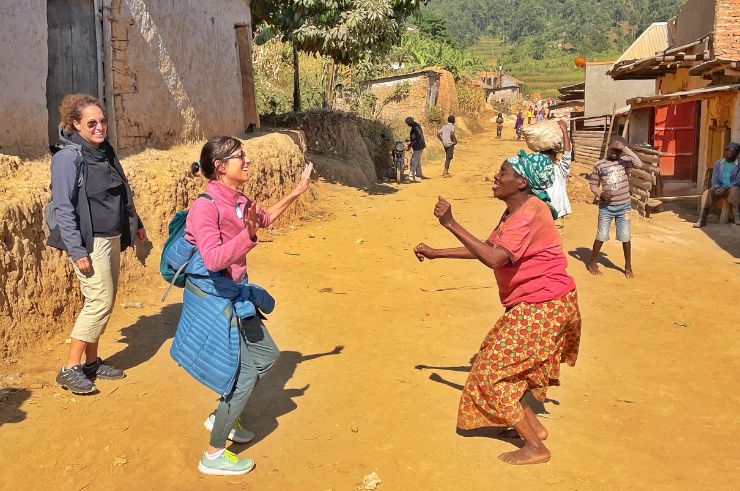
column 39, row 296
column 343, row 147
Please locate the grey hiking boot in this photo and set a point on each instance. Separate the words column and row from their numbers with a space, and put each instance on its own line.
column 100, row 369
column 74, row 380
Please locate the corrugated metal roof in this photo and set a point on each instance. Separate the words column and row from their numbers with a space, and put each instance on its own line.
column 653, row 40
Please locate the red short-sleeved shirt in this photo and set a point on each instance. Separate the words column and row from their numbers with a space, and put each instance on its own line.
column 536, row 271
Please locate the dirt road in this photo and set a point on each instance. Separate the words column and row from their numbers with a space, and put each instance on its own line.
column 650, row 405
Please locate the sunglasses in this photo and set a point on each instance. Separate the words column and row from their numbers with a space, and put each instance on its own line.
column 94, row 122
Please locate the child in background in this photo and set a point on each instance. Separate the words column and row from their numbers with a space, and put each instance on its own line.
column 610, row 184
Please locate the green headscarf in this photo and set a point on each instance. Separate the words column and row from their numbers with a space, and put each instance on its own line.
column 537, row 169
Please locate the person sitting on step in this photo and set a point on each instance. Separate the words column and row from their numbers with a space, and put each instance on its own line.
column 725, row 184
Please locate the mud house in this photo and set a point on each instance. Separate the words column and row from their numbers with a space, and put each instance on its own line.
column 428, row 89
column 693, row 110
column 167, row 71
column 500, row 87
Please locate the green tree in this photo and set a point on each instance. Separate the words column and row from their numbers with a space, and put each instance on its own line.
column 434, row 27
column 346, row 31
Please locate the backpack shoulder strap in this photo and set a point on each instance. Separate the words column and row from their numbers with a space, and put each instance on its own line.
column 79, row 163
column 209, row 198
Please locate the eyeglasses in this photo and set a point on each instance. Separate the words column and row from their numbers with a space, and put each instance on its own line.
column 239, row 155
column 94, row 122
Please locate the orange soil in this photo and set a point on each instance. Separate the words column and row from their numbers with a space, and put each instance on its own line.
column 650, row 404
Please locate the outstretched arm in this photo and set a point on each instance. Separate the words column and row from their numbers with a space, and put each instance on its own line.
column 278, row 208
column 423, row 251
column 493, row 257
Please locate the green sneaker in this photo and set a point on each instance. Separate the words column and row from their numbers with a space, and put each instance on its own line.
column 238, row 433
column 228, row 464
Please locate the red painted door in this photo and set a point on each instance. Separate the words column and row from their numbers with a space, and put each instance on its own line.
column 675, row 137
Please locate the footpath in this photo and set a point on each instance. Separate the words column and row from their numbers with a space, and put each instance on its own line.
column 376, row 347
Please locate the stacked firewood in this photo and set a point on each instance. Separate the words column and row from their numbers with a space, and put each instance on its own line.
column 645, row 183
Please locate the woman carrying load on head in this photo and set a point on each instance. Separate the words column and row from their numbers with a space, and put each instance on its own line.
column 95, row 221
column 541, row 326
column 221, row 339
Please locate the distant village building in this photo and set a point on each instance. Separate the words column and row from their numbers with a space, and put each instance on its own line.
column 500, row 87
column 166, row 71
column 571, row 99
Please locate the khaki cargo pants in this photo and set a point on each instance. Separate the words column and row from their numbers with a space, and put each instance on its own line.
column 99, row 289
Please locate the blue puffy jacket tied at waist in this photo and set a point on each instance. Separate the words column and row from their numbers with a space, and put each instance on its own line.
column 206, row 343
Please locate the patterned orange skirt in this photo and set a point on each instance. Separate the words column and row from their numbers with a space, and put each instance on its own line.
column 522, row 352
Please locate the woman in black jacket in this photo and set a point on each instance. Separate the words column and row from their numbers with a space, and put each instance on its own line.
column 95, row 221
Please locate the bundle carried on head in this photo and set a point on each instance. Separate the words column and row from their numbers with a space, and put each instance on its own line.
column 543, row 136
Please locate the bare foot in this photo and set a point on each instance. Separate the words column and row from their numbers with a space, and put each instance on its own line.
column 628, row 273
column 537, row 426
column 593, row 268
column 526, row 455
column 511, row 434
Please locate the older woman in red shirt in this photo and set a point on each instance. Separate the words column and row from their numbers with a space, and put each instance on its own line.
column 542, row 324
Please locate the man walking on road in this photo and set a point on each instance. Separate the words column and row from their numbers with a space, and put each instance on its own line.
column 416, row 136
column 446, row 135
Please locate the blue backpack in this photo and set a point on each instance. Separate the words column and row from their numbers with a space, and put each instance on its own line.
column 175, row 231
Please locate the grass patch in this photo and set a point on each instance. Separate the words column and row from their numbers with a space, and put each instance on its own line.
column 540, row 76
column 488, row 49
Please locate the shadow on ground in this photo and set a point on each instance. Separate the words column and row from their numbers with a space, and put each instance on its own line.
column 271, row 399
column 145, row 337
column 726, row 236
column 11, row 400
column 583, row 254
column 537, row 406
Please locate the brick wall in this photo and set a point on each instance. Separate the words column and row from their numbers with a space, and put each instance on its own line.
column 727, row 29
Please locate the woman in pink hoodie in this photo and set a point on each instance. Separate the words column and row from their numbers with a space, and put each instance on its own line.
column 224, row 229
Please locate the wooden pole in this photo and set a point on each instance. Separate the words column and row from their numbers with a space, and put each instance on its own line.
column 609, row 133
column 296, row 82
column 625, row 131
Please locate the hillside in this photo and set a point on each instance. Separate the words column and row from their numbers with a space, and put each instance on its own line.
column 540, row 76
column 537, row 40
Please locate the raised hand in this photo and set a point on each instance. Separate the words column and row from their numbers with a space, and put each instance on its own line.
column 305, row 179
column 423, row 251
column 252, row 220
column 443, row 211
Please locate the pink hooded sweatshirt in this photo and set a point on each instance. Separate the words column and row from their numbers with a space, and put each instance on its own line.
column 221, row 236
